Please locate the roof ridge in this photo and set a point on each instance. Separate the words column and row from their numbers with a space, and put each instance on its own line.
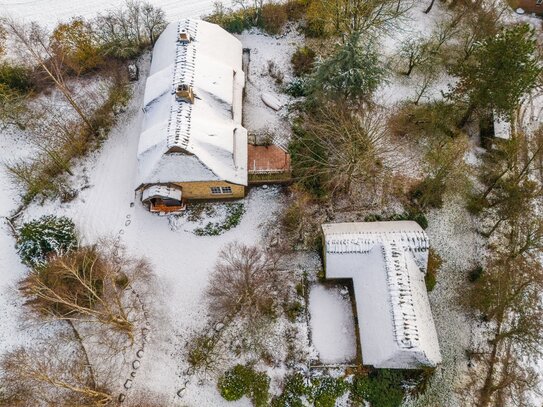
column 401, row 299
column 179, row 123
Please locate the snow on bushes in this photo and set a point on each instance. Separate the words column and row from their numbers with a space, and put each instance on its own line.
column 320, row 392
column 245, row 381
column 45, row 236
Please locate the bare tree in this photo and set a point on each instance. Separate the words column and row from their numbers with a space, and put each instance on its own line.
column 52, row 372
column 508, row 295
column 416, row 51
column 124, row 32
column 349, row 16
column 88, row 285
column 153, row 20
column 246, row 282
column 34, row 42
column 343, row 151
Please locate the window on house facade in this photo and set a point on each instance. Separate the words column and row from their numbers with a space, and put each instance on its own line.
column 221, row 190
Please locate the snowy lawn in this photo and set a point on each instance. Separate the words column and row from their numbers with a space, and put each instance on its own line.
column 332, row 324
column 50, row 12
column 106, row 206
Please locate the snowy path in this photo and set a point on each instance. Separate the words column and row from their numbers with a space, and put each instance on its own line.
column 50, row 12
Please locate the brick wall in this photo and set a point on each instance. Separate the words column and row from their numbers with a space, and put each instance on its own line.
column 202, row 190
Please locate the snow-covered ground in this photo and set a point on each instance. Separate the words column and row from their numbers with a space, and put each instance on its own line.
column 265, row 50
column 50, row 12
column 12, row 146
column 182, row 261
column 332, row 324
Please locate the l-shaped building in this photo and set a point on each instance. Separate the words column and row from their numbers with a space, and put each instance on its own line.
column 386, row 262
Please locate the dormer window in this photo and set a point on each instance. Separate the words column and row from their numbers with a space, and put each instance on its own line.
column 184, row 93
column 184, row 37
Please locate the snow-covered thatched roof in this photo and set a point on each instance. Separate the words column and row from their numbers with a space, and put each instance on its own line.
column 200, row 141
column 387, row 263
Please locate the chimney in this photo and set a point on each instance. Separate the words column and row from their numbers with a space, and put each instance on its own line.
column 184, row 36
column 184, row 93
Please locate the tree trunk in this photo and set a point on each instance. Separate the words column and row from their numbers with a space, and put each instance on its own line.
column 92, row 378
column 467, row 115
column 487, row 391
column 429, row 7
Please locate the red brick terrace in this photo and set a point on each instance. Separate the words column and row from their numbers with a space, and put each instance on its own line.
column 268, row 163
column 268, row 159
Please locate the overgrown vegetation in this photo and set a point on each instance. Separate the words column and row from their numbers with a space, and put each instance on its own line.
column 303, row 61
column 79, row 47
column 270, row 16
column 234, row 213
column 380, row 388
column 434, row 264
column 87, row 285
column 245, row 381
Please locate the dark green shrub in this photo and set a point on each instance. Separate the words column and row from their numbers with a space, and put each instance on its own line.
column 45, row 236
column 245, row 381
column 476, row 203
column 326, row 391
column 296, row 384
column 295, row 388
column 428, row 193
column 315, row 28
column 259, row 389
column 475, row 274
column 294, row 310
column 296, row 88
column 234, row 213
column 235, row 23
column 416, row 216
column 15, row 77
column 233, row 385
column 381, row 388
column 303, row 61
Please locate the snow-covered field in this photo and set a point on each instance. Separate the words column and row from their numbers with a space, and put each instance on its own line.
column 332, row 325
column 50, row 12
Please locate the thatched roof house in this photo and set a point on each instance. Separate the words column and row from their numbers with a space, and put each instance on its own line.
column 192, row 144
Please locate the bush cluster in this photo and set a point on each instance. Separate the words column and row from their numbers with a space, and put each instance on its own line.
column 245, row 381
column 416, row 216
column 271, row 17
column 381, row 388
column 321, row 392
column 15, row 78
column 303, row 61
